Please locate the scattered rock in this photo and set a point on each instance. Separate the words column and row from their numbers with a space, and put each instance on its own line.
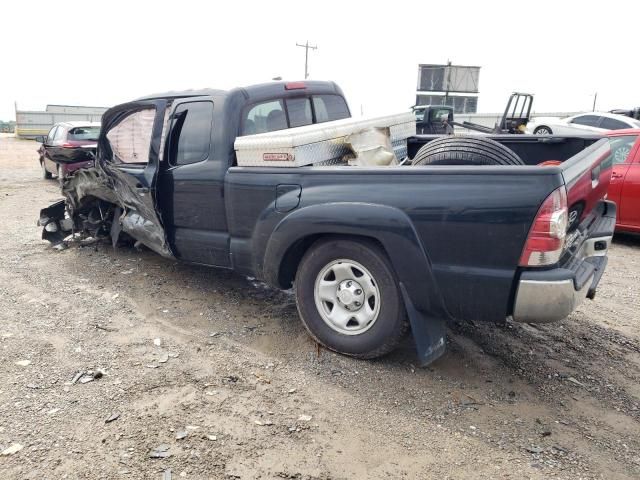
column 576, row 382
column 535, row 449
column 181, row 434
column 113, row 417
column 211, row 437
column 14, row 448
column 76, row 377
column 167, row 474
column 23, row 363
column 161, row 451
column 304, row 418
column 157, row 342
column 164, row 358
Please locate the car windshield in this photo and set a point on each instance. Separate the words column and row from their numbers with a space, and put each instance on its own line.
column 84, row 133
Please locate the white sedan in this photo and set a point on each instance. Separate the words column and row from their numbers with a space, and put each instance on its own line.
column 593, row 122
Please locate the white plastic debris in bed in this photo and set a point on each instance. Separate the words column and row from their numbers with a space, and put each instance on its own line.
column 319, row 144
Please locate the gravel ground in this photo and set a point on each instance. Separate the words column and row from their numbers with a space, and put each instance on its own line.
column 213, row 374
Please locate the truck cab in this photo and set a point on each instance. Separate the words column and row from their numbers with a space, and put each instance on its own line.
column 433, row 119
column 191, row 148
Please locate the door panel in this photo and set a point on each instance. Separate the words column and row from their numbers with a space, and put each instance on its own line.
column 630, row 199
column 128, row 151
column 191, row 187
column 624, row 160
column 615, row 186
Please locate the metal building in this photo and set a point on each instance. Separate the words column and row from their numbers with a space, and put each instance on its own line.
column 30, row 124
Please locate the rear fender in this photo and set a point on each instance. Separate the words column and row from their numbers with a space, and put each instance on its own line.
column 391, row 227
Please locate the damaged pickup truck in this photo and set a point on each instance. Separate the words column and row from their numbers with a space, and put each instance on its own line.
column 465, row 227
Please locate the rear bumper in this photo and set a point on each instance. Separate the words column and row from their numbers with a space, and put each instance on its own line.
column 67, row 168
column 551, row 295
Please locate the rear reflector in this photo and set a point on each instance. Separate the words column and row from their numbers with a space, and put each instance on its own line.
column 545, row 241
column 295, row 86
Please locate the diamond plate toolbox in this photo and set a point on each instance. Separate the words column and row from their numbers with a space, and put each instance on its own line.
column 319, row 144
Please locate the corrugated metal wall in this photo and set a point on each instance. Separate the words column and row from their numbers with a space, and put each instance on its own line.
column 30, row 124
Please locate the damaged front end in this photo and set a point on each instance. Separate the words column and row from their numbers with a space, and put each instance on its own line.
column 112, row 200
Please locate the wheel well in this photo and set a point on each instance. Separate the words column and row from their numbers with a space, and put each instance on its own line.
column 293, row 256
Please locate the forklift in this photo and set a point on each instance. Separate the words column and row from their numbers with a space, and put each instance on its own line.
column 438, row 119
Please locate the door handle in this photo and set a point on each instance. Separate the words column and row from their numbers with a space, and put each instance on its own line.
column 616, row 175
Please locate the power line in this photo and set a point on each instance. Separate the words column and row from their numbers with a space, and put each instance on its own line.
column 306, row 47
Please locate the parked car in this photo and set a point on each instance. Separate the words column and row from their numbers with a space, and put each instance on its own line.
column 67, row 147
column 624, row 188
column 365, row 247
column 582, row 123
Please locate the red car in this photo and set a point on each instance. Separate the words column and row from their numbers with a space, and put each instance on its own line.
column 624, row 188
column 68, row 147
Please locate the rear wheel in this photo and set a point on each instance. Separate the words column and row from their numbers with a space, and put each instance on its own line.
column 465, row 151
column 348, row 298
column 46, row 174
column 543, row 130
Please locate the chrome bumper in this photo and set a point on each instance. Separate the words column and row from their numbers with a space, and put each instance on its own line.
column 551, row 295
column 547, row 301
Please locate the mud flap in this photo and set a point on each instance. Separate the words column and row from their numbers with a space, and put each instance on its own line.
column 429, row 333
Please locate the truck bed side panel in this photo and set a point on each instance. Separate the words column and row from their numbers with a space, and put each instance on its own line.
column 472, row 225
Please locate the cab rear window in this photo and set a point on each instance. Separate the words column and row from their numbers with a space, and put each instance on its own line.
column 280, row 114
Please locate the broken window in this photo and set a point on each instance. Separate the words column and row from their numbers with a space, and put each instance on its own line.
column 130, row 139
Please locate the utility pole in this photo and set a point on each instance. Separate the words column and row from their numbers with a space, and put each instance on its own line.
column 306, row 47
column 448, row 86
column 595, row 99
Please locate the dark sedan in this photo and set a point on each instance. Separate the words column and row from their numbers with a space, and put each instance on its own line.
column 68, row 147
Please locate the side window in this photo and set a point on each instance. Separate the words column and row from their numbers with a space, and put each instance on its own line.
column 130, row 139
column 60, row 135
column 620, row 149
column 330, row 107
column 51, row 135
column 265, row 117
column 191, row 132
column 613, row 124
column 587, row 120
column 299, row 110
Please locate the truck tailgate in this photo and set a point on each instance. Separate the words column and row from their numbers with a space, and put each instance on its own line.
column 586, row 176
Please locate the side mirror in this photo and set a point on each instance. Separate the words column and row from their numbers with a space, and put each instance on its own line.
column 39, row 139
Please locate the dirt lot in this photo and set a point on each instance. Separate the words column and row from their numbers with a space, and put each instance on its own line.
column 217, row 371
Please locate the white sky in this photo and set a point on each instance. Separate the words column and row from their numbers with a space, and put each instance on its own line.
column 105, row 53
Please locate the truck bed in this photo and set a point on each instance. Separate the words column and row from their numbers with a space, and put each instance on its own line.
column 532, row 149
column 471, row 222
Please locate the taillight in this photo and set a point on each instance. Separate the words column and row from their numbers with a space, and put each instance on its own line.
column 295, row 86
column 68, row 145
column 546, row 238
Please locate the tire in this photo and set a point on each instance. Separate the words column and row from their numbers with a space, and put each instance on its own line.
column 46, row 174
column 543, row 130
column 465, row 151
column 347, row 264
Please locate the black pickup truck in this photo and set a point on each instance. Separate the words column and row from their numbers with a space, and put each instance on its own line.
column 365, row 247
